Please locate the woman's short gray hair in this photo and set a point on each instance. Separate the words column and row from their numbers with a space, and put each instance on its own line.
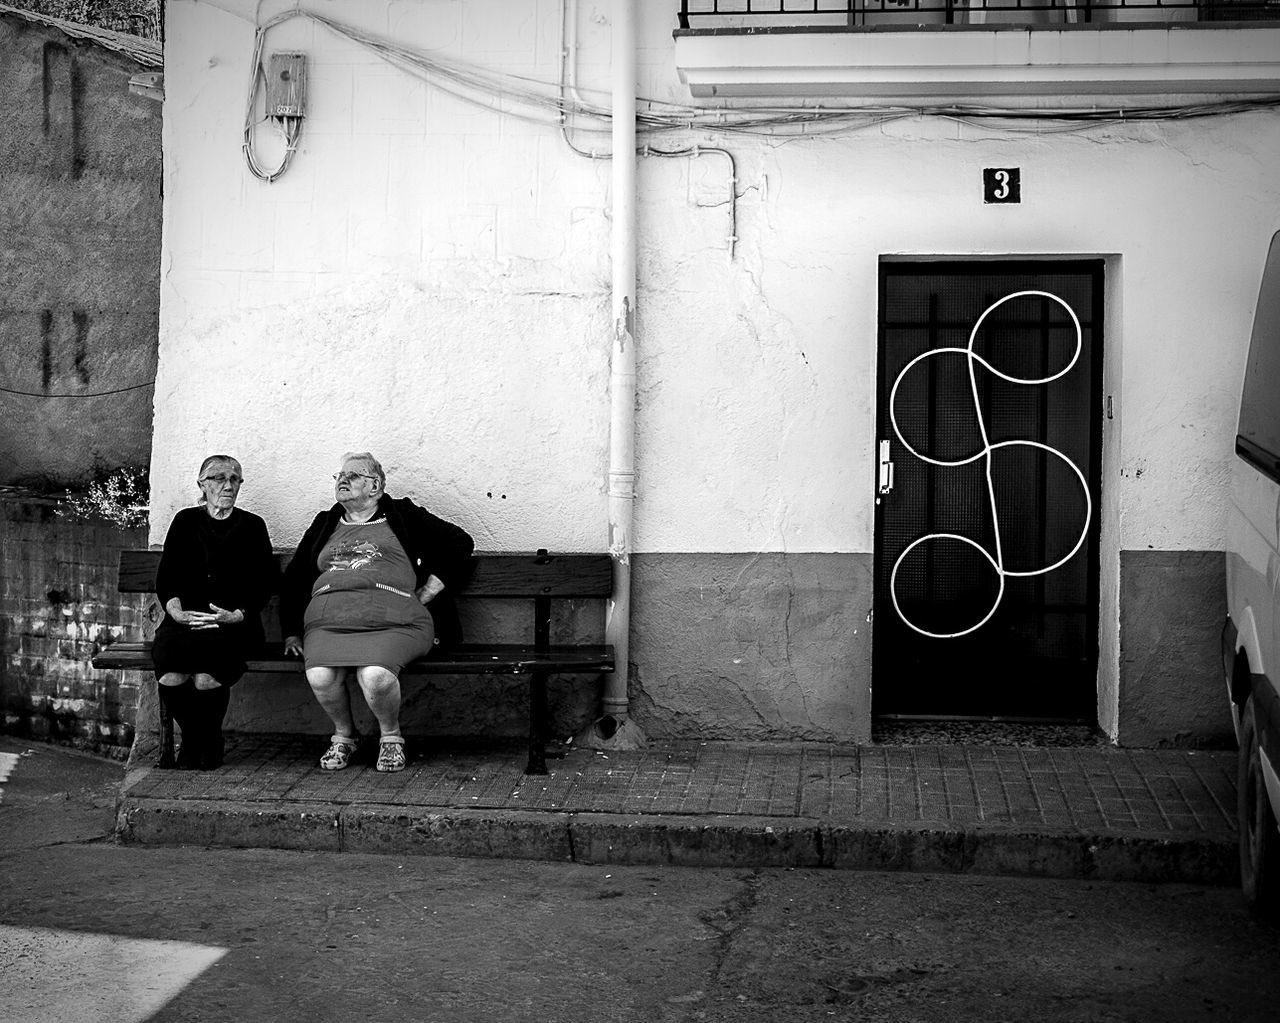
column 371, row 463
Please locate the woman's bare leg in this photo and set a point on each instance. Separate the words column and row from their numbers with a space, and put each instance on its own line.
column 330, row 688
column 381, row 690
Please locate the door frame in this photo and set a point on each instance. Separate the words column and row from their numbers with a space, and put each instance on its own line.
column 1102, row 642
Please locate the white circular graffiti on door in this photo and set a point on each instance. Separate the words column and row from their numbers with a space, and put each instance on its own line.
column 986, row 450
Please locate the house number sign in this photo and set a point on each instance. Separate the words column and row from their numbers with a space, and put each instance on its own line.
column 1002, row 184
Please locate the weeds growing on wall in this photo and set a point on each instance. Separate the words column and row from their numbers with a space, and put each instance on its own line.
column 135, row 17
column 120, row 496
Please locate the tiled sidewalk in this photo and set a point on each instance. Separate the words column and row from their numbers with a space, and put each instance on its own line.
column 927, row 807
column 1087, row 788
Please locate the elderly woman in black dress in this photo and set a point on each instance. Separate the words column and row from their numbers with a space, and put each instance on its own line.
column 355, row 598
column 216, row 574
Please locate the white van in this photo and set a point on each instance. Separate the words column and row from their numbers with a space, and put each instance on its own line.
column 1251, row 639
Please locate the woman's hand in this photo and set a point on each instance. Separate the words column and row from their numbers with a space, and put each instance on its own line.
column 293, row 646
column 191, row 619
column 221, row 616
column 429, row 590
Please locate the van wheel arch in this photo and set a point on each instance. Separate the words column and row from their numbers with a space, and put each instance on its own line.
column 1259, row 838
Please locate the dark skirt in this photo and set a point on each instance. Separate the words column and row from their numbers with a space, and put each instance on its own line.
column 391, row 648
column 364, row 627
column 219, row 652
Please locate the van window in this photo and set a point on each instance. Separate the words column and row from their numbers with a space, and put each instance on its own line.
column 1258, row 440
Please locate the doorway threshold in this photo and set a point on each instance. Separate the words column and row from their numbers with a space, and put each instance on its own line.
column 955, row 731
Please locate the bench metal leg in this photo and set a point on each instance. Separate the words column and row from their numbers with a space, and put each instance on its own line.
column 537, row 724
column 538, row 686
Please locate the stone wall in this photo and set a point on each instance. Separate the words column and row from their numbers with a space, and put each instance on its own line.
column 79, row 256
column 58, row 607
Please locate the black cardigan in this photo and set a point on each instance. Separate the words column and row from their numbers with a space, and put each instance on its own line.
column 434, row 546
column 228, row 563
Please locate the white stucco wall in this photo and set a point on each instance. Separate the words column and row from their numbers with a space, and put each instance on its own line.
column 430, row 281
column 387, row 296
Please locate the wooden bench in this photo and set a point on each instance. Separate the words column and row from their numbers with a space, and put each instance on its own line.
column 539, row 578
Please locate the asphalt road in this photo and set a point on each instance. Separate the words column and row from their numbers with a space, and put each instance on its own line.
column 94, row 931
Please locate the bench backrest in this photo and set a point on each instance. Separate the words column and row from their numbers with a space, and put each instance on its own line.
column 496, row 575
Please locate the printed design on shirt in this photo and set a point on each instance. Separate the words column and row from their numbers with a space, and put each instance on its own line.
column 351, row 556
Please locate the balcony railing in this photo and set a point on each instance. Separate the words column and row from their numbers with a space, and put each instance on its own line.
column 764, row 15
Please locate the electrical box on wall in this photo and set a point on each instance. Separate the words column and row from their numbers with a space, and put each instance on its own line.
column 286, row 84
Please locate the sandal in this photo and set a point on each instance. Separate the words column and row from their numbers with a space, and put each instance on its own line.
column 339, row 754
column 391, row 754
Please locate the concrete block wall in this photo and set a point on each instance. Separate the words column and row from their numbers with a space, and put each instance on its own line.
column 58, row 607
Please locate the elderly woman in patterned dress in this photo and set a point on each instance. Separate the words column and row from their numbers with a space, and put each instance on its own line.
column 356, row 598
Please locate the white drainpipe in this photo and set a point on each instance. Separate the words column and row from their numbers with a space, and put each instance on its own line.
column 622, row 381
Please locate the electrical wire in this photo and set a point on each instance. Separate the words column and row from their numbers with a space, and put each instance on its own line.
column 291, row 127
column 694, row 152
column 91, row 394
column 533, row 100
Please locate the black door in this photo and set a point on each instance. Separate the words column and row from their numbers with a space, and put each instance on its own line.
column 988, row 453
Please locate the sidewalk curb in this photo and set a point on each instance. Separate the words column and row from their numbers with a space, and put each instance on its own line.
column 1188, row 859
column 674, row 840
column 300, row 826
column 420, row 831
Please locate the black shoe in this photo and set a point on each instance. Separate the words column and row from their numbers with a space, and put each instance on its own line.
column 189, row 755
column 211, row 751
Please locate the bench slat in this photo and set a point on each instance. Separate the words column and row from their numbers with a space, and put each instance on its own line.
column 552, row 575
column 495, row 576
column 138, row 571
column 466, row 659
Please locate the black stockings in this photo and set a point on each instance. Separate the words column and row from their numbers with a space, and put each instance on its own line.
column 199, row 714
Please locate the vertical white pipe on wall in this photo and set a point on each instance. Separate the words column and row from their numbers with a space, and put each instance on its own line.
column 622, row 381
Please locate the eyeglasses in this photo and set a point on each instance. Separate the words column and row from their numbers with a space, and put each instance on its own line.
column 221, row 479
column 349, row 477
